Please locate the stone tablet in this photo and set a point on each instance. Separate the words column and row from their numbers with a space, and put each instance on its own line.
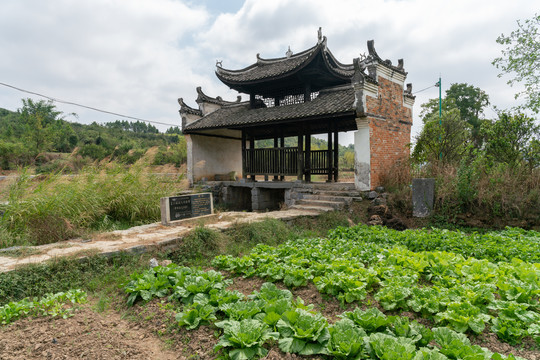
column 423, row 194
column 186, row 206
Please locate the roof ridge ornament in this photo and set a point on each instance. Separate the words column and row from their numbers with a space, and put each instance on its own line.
column 186, row 109
column 289, row 52
column 219, row 63
column 319, row 36
column 218, row 100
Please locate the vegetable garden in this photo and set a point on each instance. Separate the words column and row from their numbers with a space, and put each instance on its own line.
column 456, row 286
column 415, row 294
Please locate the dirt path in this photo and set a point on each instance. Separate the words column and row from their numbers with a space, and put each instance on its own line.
column 137, row 239
column 86, row 335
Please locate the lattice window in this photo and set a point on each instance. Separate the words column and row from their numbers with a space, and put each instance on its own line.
column 269, row 102
column 288, row 99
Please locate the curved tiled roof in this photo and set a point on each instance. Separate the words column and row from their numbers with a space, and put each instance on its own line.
column 202, row 97
column 265, row 69
column 334, row 101
column 186, row 109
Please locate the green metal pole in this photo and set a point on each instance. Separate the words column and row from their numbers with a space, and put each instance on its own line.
column 440, row 116
column 440, row 102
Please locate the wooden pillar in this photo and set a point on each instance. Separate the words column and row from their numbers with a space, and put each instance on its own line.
column 276, row 166
column 300, row 165
column 308, row 156
column 282, row 154
column 252, row 101
column 307, row 93
column 336, row 154
column 244, row 155
column 330, row 155
column 252, row 150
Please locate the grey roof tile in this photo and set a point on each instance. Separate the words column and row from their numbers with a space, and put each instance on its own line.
column 329, row 102
column 270, row 68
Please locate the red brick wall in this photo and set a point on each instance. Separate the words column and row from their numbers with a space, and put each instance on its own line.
column 389, row 129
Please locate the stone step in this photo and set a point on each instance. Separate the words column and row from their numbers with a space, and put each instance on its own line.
column 332, row 204
column 343, row 199
column 313, row 208
column 343, row 193
column 334, row 186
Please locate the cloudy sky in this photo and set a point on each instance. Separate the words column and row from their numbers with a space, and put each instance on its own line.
column 137, row 57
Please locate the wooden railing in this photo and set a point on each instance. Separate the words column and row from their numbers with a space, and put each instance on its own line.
column 271, row 161
column 319, row 162
column 283, row 161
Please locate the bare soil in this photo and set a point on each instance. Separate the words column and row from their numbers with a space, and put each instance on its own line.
column 87, row 335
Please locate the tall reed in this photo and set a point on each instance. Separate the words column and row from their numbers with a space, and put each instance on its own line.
column 53, row 208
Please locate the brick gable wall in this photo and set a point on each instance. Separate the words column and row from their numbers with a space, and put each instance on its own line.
column 389, row 128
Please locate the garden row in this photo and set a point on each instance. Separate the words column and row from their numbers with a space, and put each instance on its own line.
column 272, row 315
column 49, row 305
column 465, row 294
column 493, row 246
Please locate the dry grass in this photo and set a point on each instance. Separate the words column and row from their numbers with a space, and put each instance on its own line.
column 487, row 192
column 53, row 208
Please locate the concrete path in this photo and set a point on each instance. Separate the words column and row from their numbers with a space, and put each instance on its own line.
column 138, row 239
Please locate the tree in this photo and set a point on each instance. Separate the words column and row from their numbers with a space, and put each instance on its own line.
column 446, row 142
column 174, row 130
column 512, row 139
column 521, row 58
column 36, row 116
column 431, row 108
column 468, row 99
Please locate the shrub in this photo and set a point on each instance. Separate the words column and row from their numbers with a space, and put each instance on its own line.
column 173, row 154
column 93, row 151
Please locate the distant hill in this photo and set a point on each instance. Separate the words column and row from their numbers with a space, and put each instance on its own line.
column 39, row 129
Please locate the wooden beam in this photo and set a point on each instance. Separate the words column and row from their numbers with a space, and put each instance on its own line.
column 215, row 135
column 244, row 167
column 282, row 160
column 276, row 156
column 336, row 154
column 300, row 164
column 251, row 148
column 330, row 156
column 308, row 156
column 307, row 93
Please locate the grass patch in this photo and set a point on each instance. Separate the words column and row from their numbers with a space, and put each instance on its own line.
column 22, row 251
column 202, row 244
column 101, row 277
column 95, row 274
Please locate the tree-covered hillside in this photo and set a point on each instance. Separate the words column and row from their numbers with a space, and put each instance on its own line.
column 37, row 134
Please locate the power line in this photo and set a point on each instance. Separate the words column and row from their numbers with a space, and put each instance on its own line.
column 429, row 87
column 84, row 106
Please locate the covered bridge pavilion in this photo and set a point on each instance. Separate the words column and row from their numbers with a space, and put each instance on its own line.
column 300, row 95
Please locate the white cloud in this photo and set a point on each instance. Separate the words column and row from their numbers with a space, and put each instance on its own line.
column 116, row 55
column 137, row 57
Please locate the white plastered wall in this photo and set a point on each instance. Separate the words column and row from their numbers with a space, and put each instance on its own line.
column 212, row 155
column 362, row 146
column 362, row 156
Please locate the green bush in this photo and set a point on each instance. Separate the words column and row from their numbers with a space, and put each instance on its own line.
column 173, row 154
column 93, row 151
column 13, row 155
